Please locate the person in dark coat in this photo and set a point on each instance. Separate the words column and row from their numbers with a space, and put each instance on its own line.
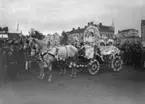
column 126, row 57
column 18, row 54
column 133, row 55
column 143, row 57
column 2, row 69
column 11, row 62
column 129, row 54
column 139, row 57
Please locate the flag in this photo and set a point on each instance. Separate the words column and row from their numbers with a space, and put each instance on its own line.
column 17, row 26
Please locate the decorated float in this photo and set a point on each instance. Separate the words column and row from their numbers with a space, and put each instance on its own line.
column 98, row 51
column 109, row 55
column 86, row 59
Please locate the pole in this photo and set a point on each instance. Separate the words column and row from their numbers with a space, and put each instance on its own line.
column 17, row 26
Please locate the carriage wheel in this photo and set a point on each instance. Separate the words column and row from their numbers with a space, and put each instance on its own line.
column 117, row 63
column 94, row 67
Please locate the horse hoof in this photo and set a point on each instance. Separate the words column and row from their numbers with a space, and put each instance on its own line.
column 49, row 80
column 39, row 77
column 71, row 75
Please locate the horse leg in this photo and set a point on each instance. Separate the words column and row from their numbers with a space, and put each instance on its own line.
column 50, row 72
column 61, row 68
column 72, row 71
column 75, row 72
column 42, row 74
column 29, row 64
column 26, row 65
column 64, row 71
column 64, row 66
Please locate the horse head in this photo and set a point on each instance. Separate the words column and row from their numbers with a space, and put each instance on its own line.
column 30, row 46
column 27, row 42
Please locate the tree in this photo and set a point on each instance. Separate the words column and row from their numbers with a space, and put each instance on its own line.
column 36, row 34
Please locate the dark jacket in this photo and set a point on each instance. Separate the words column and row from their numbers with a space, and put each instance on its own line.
column 10, row 58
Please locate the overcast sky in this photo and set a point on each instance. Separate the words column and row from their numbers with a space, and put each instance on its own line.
column 49, row 16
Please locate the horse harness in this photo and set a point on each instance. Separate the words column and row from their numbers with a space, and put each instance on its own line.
column 53, row 55
column 41, row 55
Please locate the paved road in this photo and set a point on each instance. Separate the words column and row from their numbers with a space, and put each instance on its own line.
column 126, row 87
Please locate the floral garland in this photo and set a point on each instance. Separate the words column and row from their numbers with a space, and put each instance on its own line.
column 60, row 59
column 77, row 66
column 112, row 65
column 84, row 66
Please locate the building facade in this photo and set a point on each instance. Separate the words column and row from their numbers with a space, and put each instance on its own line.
column 128, row 36
column 6, row 34
column 77, row 35
column 3, row 33
column 143, row 30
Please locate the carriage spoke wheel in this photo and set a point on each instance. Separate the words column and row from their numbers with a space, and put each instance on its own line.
column 94, row 67
column 117, row 63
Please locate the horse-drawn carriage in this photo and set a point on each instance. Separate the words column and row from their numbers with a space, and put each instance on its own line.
column 92, row 54
column 109, row 56
column 97, row 53
column 93, row 60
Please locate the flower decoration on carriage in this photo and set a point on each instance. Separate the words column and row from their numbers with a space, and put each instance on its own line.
column 89, row 53
column 110, row 54
column 110, row 42
column 101, row 42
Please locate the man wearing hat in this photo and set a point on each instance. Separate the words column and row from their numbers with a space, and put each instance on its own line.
column 10, row 61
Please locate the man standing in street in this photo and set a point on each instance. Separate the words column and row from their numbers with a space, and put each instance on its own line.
column 2, row 69
column 11, row 62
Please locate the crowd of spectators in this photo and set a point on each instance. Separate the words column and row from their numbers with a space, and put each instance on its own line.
column 12, row 57
column 133, row 55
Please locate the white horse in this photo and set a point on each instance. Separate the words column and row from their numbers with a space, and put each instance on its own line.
column 48, row 55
